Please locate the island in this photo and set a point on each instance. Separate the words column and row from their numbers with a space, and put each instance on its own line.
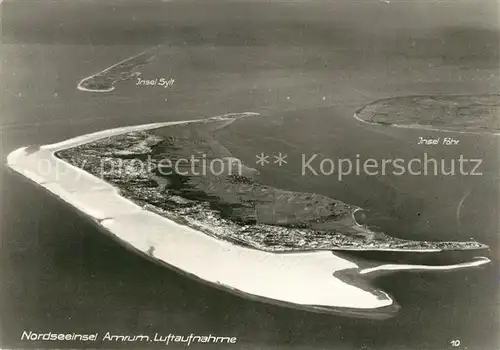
column 228, row 229
column 458, row 113
column 229, row 201
column 105, row 80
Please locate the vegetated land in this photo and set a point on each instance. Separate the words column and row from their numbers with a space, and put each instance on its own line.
column 104, row 80
column 479, row 113
column 232, row 206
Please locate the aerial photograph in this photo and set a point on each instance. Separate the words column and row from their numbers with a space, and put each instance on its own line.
column 250, row 174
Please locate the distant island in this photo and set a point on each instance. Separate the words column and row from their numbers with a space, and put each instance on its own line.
column 104, row 81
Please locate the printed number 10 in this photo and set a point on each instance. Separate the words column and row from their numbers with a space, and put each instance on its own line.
column 455, row 343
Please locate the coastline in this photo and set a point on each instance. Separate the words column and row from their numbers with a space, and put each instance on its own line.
column 311, row 286
column 361, row 115
column 240, row 209
column 105, row 80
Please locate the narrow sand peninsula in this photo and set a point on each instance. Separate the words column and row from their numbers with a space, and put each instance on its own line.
column 477, row 114
column 317, row 281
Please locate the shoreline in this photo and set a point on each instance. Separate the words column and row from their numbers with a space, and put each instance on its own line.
column 301, row 280
column 233, row 208
column 121, row 68
column 448, row 129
